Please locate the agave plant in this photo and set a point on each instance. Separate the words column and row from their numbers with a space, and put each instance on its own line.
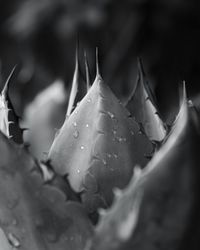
column 103, row 186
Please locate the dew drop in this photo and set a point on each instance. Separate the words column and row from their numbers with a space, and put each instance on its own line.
column 78, row 171
column 75, row 124
column 82, row 147
column 76, row 112
column 104, row 162
column 109, row 155
column 112, row 116
column 114, row 132
column 115, row 156
column 87, row 125
column 13, row 240
column 132, row 133
column 89, row 100
column 76, row 134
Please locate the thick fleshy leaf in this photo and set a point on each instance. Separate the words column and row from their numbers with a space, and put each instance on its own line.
column 160, row 208
column 35, row 216
column 9, row 121
column 98, row 146
column 143, row 109
column 42, row 116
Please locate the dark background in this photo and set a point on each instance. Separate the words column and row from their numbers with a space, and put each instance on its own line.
column 40, row 36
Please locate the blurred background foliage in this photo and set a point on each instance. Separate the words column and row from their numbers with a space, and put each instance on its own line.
column 40, row 36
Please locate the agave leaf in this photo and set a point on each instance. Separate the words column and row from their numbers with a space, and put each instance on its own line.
column 169, row 204
column 98, row 146
column 143, row 108
column 42, row 116
column 117, row 224
column 35, row 216
column 62, row 183
column 9, row 121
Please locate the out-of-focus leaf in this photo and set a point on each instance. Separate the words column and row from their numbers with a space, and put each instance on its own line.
column 35, row 216
column 43, row 116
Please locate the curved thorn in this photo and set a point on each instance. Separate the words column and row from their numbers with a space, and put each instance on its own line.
column 6, row 86
column 74, row 88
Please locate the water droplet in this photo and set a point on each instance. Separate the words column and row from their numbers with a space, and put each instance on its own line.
column 78, row 171
column 87, row 125
column 114, row 132
column 76, row 134
column 75, row 124
column 109, row 155
column 132, row 133
column 112, row 116
column 82, row 147
column 77, row 104
column 76, row 111
column 89, row 100
column 13, row 240
column 104, row 162
column 115, row 155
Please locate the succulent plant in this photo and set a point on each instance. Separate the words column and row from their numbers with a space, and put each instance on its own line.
column 155, row 211
column 102, row 186
column 98, row 146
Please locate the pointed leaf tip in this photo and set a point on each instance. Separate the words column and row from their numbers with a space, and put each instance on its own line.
column 87, row 71
column 74, row 88
column 140, row 67
column 97, row 63
column 6, row 86
column 184, row 94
